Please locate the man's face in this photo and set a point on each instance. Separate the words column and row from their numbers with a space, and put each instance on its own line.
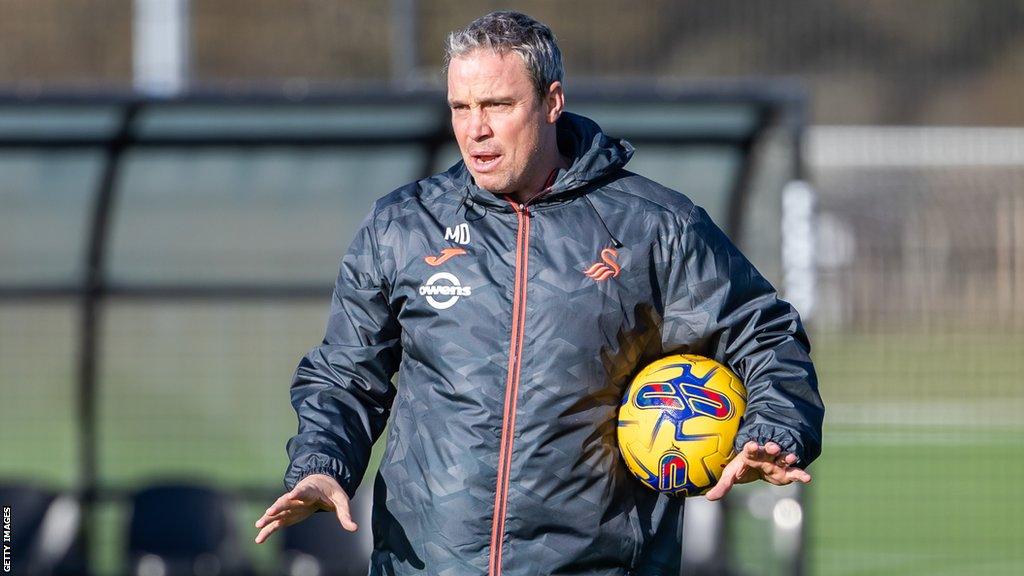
column 499, row 120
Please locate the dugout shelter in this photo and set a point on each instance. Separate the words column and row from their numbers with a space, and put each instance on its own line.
column 164, row 262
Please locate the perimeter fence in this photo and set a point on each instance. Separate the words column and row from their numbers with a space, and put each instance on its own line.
column 918, row 339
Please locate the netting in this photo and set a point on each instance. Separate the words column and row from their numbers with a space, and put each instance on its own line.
column 918, row 299
column 867, row 61
column 217, row 267
column 917, row 342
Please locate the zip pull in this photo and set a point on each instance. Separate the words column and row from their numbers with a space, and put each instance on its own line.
column 520, row 208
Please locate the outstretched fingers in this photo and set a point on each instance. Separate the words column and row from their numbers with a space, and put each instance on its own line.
column 344, row 514
column 732, row 472
column 721, row 489
column 267, row 531
column 287, row 501
column 797, row 475
column 290, row 508
column 785, row 460
column 267, row 518
column 781, row 475
column 753, row 450
column 769, row 463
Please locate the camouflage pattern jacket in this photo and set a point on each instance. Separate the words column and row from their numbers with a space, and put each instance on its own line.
column 515, row 330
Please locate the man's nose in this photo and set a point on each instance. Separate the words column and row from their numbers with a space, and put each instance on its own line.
column 479, row 128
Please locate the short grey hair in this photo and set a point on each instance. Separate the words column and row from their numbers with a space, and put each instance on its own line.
column 507, row 31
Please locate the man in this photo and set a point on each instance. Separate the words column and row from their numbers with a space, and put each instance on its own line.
column 501, row 456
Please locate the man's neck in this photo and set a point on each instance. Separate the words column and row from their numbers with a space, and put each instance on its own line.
column 542, row 179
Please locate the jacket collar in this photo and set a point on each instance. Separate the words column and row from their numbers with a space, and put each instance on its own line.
column 593, row 155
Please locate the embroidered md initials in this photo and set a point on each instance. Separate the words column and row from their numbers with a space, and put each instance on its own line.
column 458, row 234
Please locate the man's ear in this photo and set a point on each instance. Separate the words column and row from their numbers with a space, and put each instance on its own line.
column 554, row 102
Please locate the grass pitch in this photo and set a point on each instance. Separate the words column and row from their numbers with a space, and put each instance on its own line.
column 924, row 439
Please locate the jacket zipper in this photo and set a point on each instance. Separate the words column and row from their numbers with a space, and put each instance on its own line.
column 511, row 385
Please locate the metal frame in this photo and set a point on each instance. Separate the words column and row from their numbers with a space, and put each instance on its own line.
column 778, row 105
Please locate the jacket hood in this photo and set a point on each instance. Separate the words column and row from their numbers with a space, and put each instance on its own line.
column 594, row 155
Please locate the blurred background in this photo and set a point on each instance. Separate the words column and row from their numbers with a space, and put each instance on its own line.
column 179, row 178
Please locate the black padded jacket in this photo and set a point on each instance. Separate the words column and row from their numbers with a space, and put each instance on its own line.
column 515, row 330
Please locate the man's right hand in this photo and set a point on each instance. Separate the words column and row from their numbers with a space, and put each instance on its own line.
column 312, row 493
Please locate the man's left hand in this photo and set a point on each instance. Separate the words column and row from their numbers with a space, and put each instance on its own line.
column 756, row 462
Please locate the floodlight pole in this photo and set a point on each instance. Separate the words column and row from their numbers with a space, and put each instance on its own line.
column 161, row 32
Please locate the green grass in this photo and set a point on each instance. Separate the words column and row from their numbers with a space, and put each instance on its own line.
column 924, row 450
column 931, row 506
column 924, row 442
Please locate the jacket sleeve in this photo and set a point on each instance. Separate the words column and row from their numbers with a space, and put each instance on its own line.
column 720, row 306
column 342, row 390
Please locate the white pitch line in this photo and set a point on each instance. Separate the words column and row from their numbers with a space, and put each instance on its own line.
column 981, row 414
column 901, row 438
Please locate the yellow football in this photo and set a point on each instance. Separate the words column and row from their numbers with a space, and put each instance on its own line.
column 678, row 421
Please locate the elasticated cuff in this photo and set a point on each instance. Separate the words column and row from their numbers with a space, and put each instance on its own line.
column 764, row 433
column 331, row 468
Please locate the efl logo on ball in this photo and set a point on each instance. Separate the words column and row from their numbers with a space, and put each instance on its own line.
column 678, row 421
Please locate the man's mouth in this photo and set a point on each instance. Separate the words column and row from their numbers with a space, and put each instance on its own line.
column 485, row 162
